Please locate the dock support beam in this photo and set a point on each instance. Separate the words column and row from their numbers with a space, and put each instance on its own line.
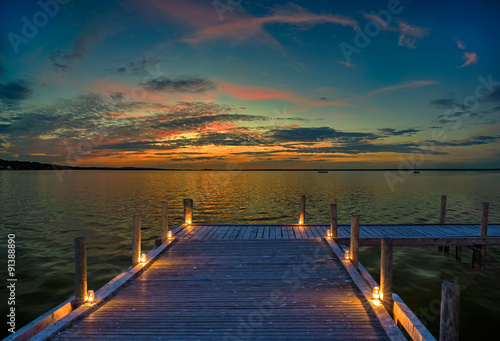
column 188, row 211
column 442, row 219
column 479, row 256
column 302, row 218
column 450, row 304
column 333, row 220
column 386, row 274
column 136, row 239
column 80, row 271
column 354, row 250
column 164, row 221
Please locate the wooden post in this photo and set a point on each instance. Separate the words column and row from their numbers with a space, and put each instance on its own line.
column 450, row 304
column 333, row 220
column 164, row 221
column 80, row 271
column 479, row 256
column 354, row 250
column 188, row 211
column 136, row 239
column 442, row 219
column 386, row 274
column 302, row 218
column 458, row 253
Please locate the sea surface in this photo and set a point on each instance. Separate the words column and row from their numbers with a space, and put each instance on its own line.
column 46, row 210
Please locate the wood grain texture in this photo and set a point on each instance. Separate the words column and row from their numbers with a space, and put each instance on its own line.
column 236, row 289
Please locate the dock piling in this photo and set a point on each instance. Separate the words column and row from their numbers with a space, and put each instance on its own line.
column 136, row 239
column 164, row 221
column 442, row 219
column 333, row 220
column 302, row 218
column 386, row 274
column 479, row 256
column 188, row 211
column 354, row 250
column 80, row 271
column 450, row 304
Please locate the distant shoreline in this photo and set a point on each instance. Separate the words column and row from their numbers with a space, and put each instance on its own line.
column 26, row 165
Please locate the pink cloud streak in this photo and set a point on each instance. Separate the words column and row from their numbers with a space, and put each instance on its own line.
column 261, row 93
column 244, row 29
column 470, row 58
column 404, row 86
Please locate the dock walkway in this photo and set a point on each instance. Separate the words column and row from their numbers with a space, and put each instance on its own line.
column 236, row 290
column 254, row 282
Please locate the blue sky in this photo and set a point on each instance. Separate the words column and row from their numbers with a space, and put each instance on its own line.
column 198, row 84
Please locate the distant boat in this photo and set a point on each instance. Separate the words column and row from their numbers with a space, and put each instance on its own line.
column 415, row 171
column 322, row 170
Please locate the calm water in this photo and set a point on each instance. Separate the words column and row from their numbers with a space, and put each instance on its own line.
column 46, row 213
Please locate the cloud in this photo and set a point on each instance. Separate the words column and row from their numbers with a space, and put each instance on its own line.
column 404, row 86
column 460, row 44
column 345, row 63
column 15, row 91
column 92, row 35
column 141, row 66
column 394, row 132
column 409, row 35
column 470, row 58
column 477, row 140
column 246, row 28
column 316, row 134
column 260, row 93
column 182, row 84
column 202, row 121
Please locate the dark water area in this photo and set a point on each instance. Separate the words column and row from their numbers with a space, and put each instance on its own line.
column 47, row 210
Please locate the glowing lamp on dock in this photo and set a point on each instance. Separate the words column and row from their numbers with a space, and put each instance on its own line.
column 90, row 296
column 346, row 255
column 328, row 234
column 376, row 293
column 142, row 260
column 188, row 221
column 169, row 236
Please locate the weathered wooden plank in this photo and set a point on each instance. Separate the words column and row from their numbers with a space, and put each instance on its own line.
column 205, row 289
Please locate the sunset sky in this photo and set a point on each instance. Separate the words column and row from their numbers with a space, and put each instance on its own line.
column 253, row 84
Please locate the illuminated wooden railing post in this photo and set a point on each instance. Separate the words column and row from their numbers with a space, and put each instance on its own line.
column 442, row 219
column 80, row 271
column 386, row 274
column 188, row 211
column 333, row 220
column 354, row 250
column 302, row 218
column 136, row 239
column 164, row 221
column 450, row 304
column 479, row 256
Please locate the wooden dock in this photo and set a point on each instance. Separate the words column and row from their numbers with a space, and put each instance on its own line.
column 259, row 282
column 236, row 290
